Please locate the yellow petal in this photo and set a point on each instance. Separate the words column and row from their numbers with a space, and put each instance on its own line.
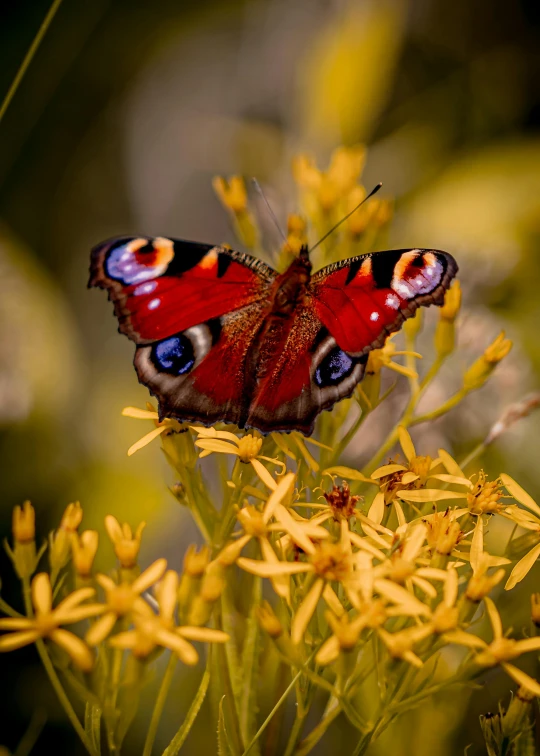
column 414, row 542
column 458, row 481
column 77, row 597
column 42, row 593
column 16, row 623
column 145, row 440
column 464, row 639
column 522, row 568
column 347, row 472
column 522, row 678
column 263, row 474
column 203, row 634
column 400, row 596
column 365, row 545
column 18, row 640
column 282, row 489
column 151, row 575
column 425, row 586
column 294, row 529
column 76, row 614
column 314, row 442
column 183, row 649
column 100, row 629
column 330, row 597
column 328, row 652
column 376, row 510
column 402, row 520
column 264, row 569
column 406, row 443
column 75, row 647
column 126, row 640
column 494, row 618
column 409, row 477
column 387, row 470
column 140, row 414
column 430, row 494
column 515, row 490
column 305, row 611
column 451, row 465
column 477, row 545
column 216, row 445
column 450, row 590
column 402, row 370
column 310, row 460
column 280, row 583
column 527, row 644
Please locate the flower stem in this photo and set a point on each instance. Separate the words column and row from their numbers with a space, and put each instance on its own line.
column 160, row 704
column 28, row 57
column 53, row 677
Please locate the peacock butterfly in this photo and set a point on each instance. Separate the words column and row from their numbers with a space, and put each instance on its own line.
column 222, row 337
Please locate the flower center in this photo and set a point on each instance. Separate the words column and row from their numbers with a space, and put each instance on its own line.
column 484, row 497
column 249, row 447
column 252, row 521
column 332, row 562
column 341, row 502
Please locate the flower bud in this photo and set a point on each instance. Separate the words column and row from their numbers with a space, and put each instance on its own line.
column 126, row 544
column 481, row 584
column 60, row 540
column 515, row 720
column 268, row 620
column 23, row 554
column 480, row 371
column 83, row 551
column 232, row 193
column 24, row 523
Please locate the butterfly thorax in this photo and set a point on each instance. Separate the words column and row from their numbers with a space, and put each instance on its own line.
column 291, row 287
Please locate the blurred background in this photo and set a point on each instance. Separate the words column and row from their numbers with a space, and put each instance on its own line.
column 126, row 113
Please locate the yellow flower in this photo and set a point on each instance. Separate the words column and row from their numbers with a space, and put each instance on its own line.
column 400, row 645
column 122, row 599
column 83, row 551
column 256, row 524
column 500, row 650
column 246, row 449
column 485, row 496
column 379, row 358
column 126, row 544
column 232, row 193
column 346, row 632
column 24, row 523
column 166, row 426
column 407, row 482
column 47, row 622
column 153, row 630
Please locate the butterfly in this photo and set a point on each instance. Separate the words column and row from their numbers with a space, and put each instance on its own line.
column 222, row 337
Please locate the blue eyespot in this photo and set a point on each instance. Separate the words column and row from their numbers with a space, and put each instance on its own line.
column 336, row 366
column 174, row 355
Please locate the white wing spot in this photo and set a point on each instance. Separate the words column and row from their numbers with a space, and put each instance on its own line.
column 392, row 301
column 374, row 316
column 154, row 303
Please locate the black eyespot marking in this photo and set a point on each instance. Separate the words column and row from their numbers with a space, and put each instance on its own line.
column 353, row 270
column 418, row 261
column 382, row 267
column 336, row 366
column 174, row 355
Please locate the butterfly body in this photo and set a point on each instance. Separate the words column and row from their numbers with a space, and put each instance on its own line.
column 221, row 336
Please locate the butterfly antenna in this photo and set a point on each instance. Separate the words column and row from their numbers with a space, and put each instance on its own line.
column 258, row 187
column 338, row 224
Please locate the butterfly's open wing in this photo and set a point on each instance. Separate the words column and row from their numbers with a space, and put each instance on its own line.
column 351, row 309
column 193, row 310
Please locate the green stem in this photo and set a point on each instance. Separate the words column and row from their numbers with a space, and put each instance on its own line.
column 266, row 722
column 476, row 452
column 53, row 677
column 160, row 704
column 442, row 410
column 28, row 57
column 348, row 437
column 7, row 609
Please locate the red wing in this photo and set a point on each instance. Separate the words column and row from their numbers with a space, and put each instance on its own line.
column 363, row 299
column 203, row 373
column 161, row 287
